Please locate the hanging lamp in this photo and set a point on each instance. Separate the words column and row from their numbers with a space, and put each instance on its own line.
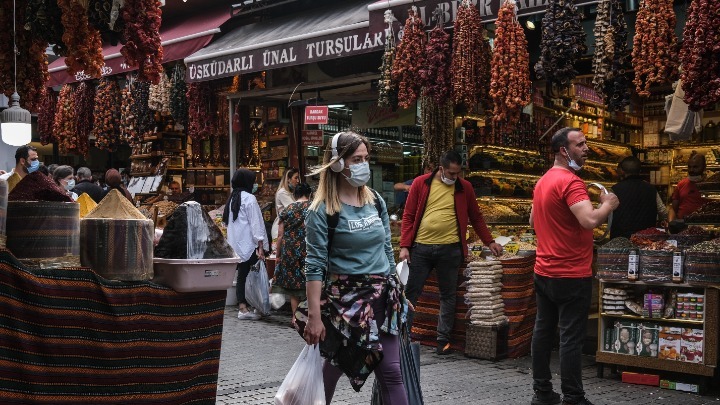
column 15, row 121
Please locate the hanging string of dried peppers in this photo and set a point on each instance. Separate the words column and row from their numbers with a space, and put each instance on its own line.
column 201, row 111
column 470, row 68
column 143, row 46
column 409, row 59
column 65, row 124
column 700, row 56
column 655, row 46
column 436, row 73
column 108, row 105
column 46, row 116
column 84, row 45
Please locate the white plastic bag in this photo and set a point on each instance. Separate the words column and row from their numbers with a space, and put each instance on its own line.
column 257, row 288
column 277, row 300
column 303, row 384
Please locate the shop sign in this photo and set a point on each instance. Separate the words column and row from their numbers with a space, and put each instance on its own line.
column 331, row 46
column 312, row 137
column 370, row 115
column 316, row 114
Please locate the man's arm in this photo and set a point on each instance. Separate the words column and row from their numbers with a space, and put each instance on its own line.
column 478, row 223
column 591, row 217
column 661, row 208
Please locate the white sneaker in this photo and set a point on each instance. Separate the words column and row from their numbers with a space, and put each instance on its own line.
column 248, row 315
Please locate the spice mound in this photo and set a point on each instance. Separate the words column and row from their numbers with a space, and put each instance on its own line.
column 115, row 206
column 38, row 187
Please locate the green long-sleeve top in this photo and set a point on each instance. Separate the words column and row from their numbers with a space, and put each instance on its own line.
column 361, row 244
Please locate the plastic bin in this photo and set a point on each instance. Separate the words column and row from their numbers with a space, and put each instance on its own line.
column 190, row 275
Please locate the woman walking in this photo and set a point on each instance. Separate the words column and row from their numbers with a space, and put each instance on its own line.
column 245, row 233
column 284, row 197
column 362, row 307
column 290, row 269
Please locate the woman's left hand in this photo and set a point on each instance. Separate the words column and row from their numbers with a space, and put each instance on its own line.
column 260, row 253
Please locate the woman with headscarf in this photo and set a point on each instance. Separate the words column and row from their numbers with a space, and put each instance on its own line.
column 245, row 233
column 113, row 179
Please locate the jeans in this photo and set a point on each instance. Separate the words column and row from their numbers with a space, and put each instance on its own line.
column 445, row 259
column 561, row 303
column 243, row 269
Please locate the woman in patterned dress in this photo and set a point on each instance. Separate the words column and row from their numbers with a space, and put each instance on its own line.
column 290, row 245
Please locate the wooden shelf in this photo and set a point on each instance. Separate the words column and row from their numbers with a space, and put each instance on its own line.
column 273, row 178
column 223, row 186
column 654, row 363
column 277, row 138
column 209, row 168
column 663, row 320
column 273, row 159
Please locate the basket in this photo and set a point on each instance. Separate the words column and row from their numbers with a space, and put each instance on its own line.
column 656, row 266
column 612, row 264
column 486, row 342
column 702, row 267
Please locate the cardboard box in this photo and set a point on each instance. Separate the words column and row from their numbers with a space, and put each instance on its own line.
column 624, row 337
column 640, row 378
column 691, row 345
column 678, row 386
column 648, row 339
column 669, row 343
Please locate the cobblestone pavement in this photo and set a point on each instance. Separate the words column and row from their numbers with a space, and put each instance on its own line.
column 256, row 355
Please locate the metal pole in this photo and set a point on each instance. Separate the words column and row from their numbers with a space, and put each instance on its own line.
column 231, row 138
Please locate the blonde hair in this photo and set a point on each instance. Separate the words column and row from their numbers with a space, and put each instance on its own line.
column 286, row 179
column 327, row 190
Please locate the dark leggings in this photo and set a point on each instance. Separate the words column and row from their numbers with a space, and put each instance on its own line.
column 243, row 269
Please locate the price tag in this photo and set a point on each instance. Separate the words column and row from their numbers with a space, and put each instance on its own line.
column 672, row 242
column 677, row 273
column 512, row 247
column 633, row 260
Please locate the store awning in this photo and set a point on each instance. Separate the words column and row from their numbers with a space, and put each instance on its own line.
column 331, row 32
column 179, row 39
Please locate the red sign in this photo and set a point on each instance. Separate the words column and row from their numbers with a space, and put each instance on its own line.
column 312, row 137
column 315, row 115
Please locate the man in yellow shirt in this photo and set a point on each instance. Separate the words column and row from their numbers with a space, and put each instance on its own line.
column 435, row 220
column 26, row 161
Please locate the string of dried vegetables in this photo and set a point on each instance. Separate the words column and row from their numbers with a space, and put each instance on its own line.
column 655, row 45
column 65, row 124
column 223, row 117
column 141, row 111
column 387, row 88
column 84, row 44
column 84, row 104
column 436, row 73
column 160, row 95
column 611, row 62
column 44, row 19
column 143, row 47
column 201, row 111
column 510, row 84
column 46, row 116
column 100, row 16
column 562, row 44
column 178, row 96
column 437, row 128
column 471, row 56
column 700, row 55
column 128, row 120
column 409, row 59
column 108, row 105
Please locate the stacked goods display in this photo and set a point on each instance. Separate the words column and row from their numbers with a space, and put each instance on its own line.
column 518, row 295
column 46, row 116
column 117, row 240
column 143, row 48
column 43, row 224
column 436, row 73
column 563, row 43
column 655, row 46
column 108, row 107
column 612, row 259
column 387, row 88
column 708, row 213
column 409, row 60
column 612, row 63
column 484, row 336
column 700, row 55
column 471, row 55
column 702, row 263
column 83, row 41
column 192, row 254
column 510, row 66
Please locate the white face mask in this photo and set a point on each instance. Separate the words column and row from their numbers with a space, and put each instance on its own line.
column 571, row 162
column 70, row 185
column 444, row 179
column 359, row 174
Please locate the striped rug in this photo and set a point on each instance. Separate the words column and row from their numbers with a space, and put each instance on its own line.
column 69, row 336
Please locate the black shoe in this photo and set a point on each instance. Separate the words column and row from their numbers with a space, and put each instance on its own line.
column 546, row 398
column 583, row 401
column 443, row 347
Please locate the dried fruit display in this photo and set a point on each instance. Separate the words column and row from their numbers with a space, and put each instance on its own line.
column 160, row 95
column 612, row 65
column 201, row 111
column 409, row 59
column 470, row 67
column 700, row 55
column 437, row 128
column 178, row 96
column 106, row 128
column 388, row 96
column 84, row 45
column 510, row 66
column 65, row 125
column 44, row 19
column 436, row 72
column 128, row 120
column 562, row 45
column 46, row 116
column 655, row 46
column 143, row 47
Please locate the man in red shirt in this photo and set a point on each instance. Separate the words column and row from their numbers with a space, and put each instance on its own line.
column 564, row 219
column 686, row 198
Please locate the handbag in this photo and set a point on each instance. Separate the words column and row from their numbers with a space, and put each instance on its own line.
column 303, row 384
column 410, row 370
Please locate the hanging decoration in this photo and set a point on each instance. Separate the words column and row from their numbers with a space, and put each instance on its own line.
column 388, row 96
column 612, row 65
column 140, row 109
column 409, row 59
column 143, row 46
column 46, row 116
column 437, row 128
column 100, row 16
column 700, row 55
column 65, row 124
column 471, row 54
column 178, row 96
column 510, row 85
column 108, row 103
column 84, row 104
column 436, row 73
column 44, row 19
column 160, row 95
column 201, row 111
column 128, row 120
column 562, row 45
column 83, row 42
column 655, row 46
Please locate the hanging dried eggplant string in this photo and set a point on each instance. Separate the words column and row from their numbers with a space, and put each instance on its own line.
column 46, row 117
column 438, row 55
column 128, row 120
column 655, row 46
column 84, row 45
column 388, row 96
column 602, row 60
column 510, row 85
column 562, row 45
column 409, row 59
column 178, row 96
column 100, row 15
column 143, row 47
column 65, row 125
column 44, row 19
column 618, row 81
column 437, row 128
column 108, row 107
column 700, row 56
column 144, row 116
column 471, row 54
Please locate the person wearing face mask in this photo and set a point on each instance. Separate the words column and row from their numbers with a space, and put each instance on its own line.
column 686, row 198
column 436, row 216
column 362, row 310
column 63, row 176
column 284, row 196
column 245, row 233
column 563, row 218
column 26, row 162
